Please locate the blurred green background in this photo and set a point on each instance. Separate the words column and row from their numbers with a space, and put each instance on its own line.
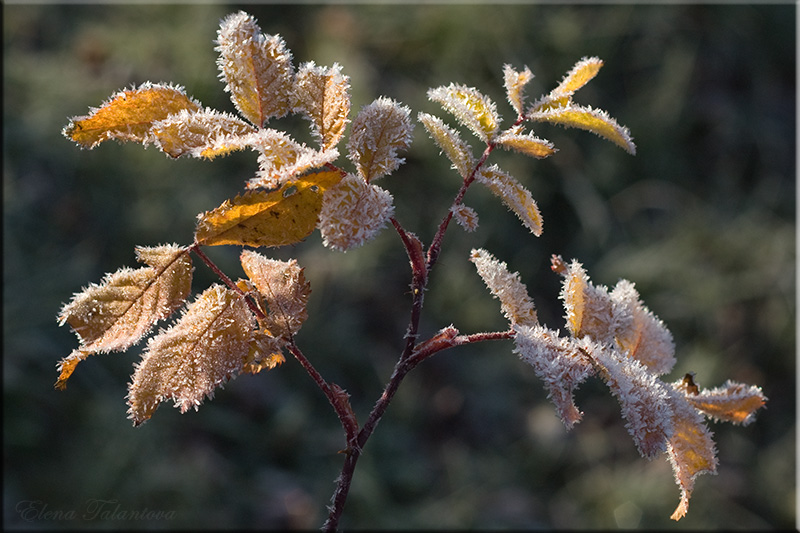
column 702, row 219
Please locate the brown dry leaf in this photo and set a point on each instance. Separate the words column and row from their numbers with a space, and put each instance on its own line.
column 185, row 363
column 262, row 218
column 128, row 115
column 114, row 315
column 733, row 402
column 283, row 287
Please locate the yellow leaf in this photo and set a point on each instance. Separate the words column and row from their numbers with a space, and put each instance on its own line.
column 194, row 132
column 526, row 144
column 469, row 107
column 448, row 139
column 185, row 363
column 283, row 287
column 256, row 67
column 114, row 315
column 323, row 94
column 583, row 71
column 514, row 195
column 507, row 287
column 129, row 115
column 586, row 118
column 263, row 218
column 514, row 83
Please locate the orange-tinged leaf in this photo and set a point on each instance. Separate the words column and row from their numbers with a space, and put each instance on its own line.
column 514, row 195
column 257, row 68
column 128, row 115
column 690, row 449
column 185, row 363
column 114, row 315
column 283, row 287
column 323, row 94
column 733, row 402
column 195, row 132
column 263, row 218
column 514, row 83
column 586, row 118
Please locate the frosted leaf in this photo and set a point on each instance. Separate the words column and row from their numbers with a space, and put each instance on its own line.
column 527, row 144
column 471, row 108
column 583, row 71
column 558, row 363
column 595, row 120
column 466, row 217
column 645, row 400
column 690, row 449
column 380, row 130
column 192, row 132
column 283, row 287
column 644, row 337
column 514, row 83
column 732, row 402
column 114, row 315
column 281, row 159
column 506, row 286
column 589, row 309
column 323, row 95
column 353, row 212
column 256, row 68
column 185, row 363
column 457, row 151
column 514, row 195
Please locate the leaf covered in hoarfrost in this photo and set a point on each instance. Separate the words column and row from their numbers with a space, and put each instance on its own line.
column 507, row 287
column 353, row 212
column 129, row 114
column 281, row 158
column 457, row 151
column 514, row 195
column 114, row 315
column 256, row 68
column 379, row 131
column 263, row 218
column 526, row 144
column 195, row 132
column 470, row 107
column 583, row 71
column 323, row 95
column 733, row 402
column 466, row 217
column 205, row 347
column 514, row 83
column 595, row 120
column 283, row 287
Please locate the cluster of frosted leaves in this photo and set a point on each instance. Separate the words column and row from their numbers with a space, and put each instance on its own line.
column 613, row 335
column 217, row 337
column 355, row 211
column 117, row 313
column 478, row 113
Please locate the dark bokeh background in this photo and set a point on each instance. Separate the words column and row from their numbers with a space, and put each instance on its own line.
column 702, row 219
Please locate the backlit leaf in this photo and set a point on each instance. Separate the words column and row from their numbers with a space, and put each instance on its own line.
column 583, row 71
column 733, row 402
column 256, row 68
column 379, row 131
column 185, row 363
column 448, row 139
column 465, row 216
column 469, row 107
column 323, row 95
column 507, row 287
column 514, row 83
column 194, row 132
column 283, row 287
column 128, row 115
column 114, row 315
column 526, row 144
column 264, row 218
column 595, row 120
column 281, row 158
column 514, row 195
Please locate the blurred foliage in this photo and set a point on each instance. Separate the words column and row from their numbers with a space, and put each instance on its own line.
column 702, row 219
